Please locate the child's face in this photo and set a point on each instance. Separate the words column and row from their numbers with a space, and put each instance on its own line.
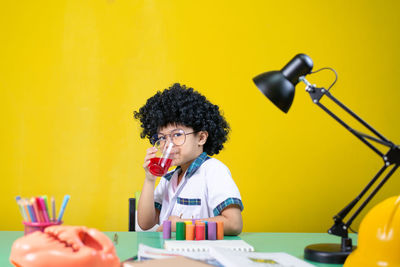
column 191, row 148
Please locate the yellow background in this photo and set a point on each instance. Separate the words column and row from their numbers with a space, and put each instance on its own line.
column 72, row 73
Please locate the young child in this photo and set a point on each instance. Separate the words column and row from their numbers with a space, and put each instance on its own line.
column 200, row 187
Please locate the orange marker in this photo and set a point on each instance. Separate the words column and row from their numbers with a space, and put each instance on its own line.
column 220, row 230
column 25, row 205
column 190, row 232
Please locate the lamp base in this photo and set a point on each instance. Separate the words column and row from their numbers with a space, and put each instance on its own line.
column 327, row 253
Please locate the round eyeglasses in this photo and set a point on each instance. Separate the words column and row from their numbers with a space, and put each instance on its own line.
column 177, row 137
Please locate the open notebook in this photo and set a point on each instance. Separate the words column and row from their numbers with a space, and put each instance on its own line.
column 216, row 256
column 205, row 245
column 226, row 257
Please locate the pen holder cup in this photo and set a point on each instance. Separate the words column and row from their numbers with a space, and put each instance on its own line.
column 31, row 227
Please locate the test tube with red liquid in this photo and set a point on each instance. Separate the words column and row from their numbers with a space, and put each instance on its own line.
column 160, row 164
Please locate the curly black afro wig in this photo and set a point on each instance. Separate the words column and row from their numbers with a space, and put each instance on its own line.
column 181, row 105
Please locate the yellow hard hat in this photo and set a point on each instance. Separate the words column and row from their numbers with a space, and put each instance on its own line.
column 378, row 237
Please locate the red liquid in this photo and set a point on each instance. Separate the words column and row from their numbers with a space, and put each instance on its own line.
column 159, row 166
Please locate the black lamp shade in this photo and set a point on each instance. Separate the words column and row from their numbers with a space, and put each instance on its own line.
column 279, row 86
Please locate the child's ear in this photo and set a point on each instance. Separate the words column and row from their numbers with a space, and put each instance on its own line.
column 203, row 137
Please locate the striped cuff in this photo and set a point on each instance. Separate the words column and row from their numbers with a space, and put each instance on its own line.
column 229, row 201
column 157, row 205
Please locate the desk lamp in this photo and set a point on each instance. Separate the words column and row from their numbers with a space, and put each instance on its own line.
column 279, row 87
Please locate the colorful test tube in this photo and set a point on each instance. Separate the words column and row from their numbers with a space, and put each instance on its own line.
column 220, row 230
column 206, row 230
column 180, row 231
column 200, row 228
column 212, row 231
column 190, row 232
column 167, row 229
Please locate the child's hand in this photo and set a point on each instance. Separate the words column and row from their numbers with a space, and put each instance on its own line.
column 173, row 220
column 150, row 153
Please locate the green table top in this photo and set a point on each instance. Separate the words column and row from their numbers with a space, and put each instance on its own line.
column 292, row 243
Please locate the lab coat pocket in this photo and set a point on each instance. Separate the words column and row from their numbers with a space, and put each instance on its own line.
column 189, row 207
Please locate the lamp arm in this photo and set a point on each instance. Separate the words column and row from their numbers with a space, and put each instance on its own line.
column 376, row 189
column 343, row 213
column 340, row 228
column 317, row 93
column 369, row 127
column 388, row 144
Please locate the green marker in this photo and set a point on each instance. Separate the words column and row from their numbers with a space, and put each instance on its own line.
column 47, row 206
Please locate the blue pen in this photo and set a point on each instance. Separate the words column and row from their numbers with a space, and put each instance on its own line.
column 64, row 204
column 31, row 212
